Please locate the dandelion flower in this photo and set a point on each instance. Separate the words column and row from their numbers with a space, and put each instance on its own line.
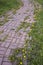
column 23, row 50
column 24, row 56
column 21, row 63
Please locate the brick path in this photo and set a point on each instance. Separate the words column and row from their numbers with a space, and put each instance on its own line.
column 11, row 38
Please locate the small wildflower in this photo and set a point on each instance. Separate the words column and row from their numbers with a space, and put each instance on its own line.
column 21, row 63
column 24, row 56
column 23, row 50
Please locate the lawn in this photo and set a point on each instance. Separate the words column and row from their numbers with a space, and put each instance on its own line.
column 40, row 1
column 6, row 5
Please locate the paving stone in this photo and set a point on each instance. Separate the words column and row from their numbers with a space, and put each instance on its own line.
column 5, row 30
column 6, row 59
column 10, row 34
column 7, row 52
column 0, row 61
column 3, row 44
column 20, row 45
column 8, row 40
column 7, row 63
column 2, row 52
column 14, row 40
column 7, row 44
column 13, row 34
column 17, row 41
column 23, row 38
column 13, row 46
column 1, row 56
column 8, row 31
column 2, row 49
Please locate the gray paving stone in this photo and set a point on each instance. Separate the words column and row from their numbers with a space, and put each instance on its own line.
column 3, row 44
column 2, row 49
column 1, row 56
column 5, row 30
column 8, row 31
column 7, row 52
column 10, row 34
column 13, row 34
column 7, row 44
column 6, row 59
column 17, row 41
column 2, row 52
column 14, row 40
column 8, row 40
column 13, row 46
column 0, row 61
column 7, row 63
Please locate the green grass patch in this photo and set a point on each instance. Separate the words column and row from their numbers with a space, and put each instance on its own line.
column 4, row 21
column 4, row 38
column 1, row 31
column 40, row 1
column 37, row 40
column 6, row 5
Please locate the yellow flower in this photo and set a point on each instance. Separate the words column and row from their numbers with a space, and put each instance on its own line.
column 21, row 63
column 23, row 50
column 24, row 56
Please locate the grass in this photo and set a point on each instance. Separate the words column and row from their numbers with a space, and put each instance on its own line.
column 37, row 40
column 1, row 31
column 40, row 1
column 27, row 17
column 4, row 21
column 4, row 38
column 7, row 5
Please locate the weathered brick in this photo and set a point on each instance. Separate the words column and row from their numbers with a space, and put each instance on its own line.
column 0, row 61
column 7, row 63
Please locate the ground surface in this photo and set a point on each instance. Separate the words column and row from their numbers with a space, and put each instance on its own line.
column 9, row 39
